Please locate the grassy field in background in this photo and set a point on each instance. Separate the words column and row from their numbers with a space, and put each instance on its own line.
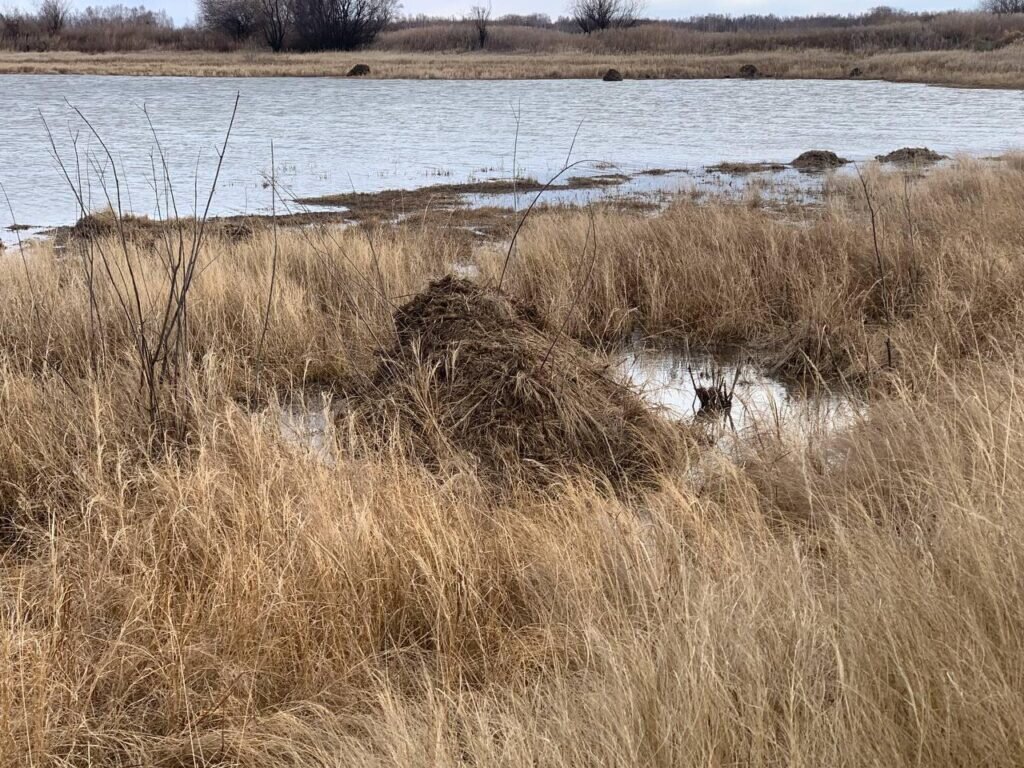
column 1003, row 68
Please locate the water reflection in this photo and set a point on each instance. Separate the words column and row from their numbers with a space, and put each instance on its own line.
column 671, row 379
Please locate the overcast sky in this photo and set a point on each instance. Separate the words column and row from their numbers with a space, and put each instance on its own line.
column 183, row 10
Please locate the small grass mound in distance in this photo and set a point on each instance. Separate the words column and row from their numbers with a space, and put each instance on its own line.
column 818, row 160
column 476, row 373
column 911, row 156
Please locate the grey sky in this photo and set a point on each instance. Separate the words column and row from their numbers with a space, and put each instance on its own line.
column 182, row 10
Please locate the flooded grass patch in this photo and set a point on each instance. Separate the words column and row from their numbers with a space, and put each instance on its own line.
column 733, row 397
column 386, row 205
column 744, row 168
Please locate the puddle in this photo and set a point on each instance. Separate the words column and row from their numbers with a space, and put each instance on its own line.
column 669, row 379
column 305, row 424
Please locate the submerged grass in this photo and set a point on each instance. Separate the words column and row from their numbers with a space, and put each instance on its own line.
column 237, row 600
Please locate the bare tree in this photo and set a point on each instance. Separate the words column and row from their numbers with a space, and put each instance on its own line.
column 480, row 18
column 238, row 19
column 594, row 15
column 1002, row 6
column 276, row 21
column 54, row 15
column 340, row 24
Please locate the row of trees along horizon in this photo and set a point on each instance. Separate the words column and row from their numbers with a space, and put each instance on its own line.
column 317, row 25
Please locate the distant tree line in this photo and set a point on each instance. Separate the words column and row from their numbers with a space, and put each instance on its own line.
column 54, row 24
column 1003, row 6
column 312, row 25
column 54, row 16
column 349, row 24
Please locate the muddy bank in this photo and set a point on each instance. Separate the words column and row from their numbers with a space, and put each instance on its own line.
column 392, row 203
column 146, row 232
column 745, row 168
column 814, row 160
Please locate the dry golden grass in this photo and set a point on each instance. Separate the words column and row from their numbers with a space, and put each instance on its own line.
column 803, row 284
column 1002, row 68
column 239, row 601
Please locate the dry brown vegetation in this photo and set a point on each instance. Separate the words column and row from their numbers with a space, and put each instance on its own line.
column 953, row 48
column 805, row 285
column 967, row 49
column 863, row 35
column 221, row 595
column 1003, row 68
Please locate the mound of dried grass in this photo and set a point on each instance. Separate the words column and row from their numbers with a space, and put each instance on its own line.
column 107, row 223
column 818, row 160
column 911, row 156
column 476, row 374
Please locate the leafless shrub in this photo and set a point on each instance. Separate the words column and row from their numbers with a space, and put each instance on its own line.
column 158, row 325
column 340, row 24
column 595, row 15
column 54, row 14
column 238, row 19
column 275, row 21
column 480, row 18
column 1002, row 6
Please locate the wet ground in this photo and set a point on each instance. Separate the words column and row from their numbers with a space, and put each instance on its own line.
column 668, row 380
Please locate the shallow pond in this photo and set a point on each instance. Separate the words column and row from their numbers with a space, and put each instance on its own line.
column 761, row 404
column 336, row 135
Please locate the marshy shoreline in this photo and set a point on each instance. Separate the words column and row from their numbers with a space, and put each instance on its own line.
column 493, row 550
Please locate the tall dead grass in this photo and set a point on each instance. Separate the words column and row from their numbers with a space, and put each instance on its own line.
column 242, row 601
column 905, row 33
column 1001, row 68
column 804, row 283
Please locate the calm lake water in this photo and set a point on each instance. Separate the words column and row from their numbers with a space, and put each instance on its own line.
column 333, row 135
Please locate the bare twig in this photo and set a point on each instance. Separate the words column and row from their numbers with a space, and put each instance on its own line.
column 273, row 264
column 878, row 262
column 582, row 284
column 529, row 210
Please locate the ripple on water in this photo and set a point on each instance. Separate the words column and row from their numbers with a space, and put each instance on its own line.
column 335, row 135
